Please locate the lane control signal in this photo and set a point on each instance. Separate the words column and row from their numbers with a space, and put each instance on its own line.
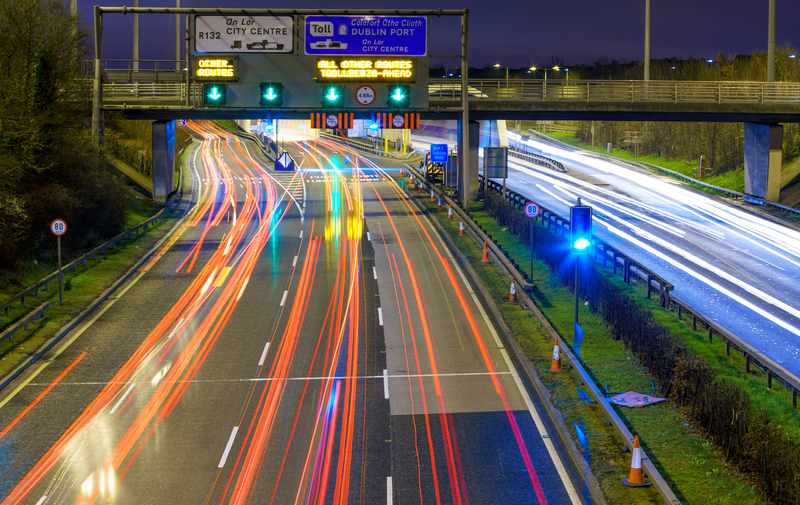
column 332, row 96
column 215, row 95
column 399, row 96
column 271, row 94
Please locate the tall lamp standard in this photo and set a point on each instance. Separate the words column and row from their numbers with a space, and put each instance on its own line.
column 497, row 65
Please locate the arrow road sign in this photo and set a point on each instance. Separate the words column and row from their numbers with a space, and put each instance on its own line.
column 332, row 94
column 214, row 94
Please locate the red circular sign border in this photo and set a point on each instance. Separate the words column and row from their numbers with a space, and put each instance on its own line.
column 374, row 95
column 58, row 234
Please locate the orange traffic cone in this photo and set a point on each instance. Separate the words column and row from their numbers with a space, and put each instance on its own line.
column 461, row 228
column 432, row 198
column 637, row 477
column 512, row 297
column 439, row 205
column 421, row 187
column 450, row 213
column 485, row 258
column 555, row 364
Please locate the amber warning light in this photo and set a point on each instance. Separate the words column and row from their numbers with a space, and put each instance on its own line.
column 366, row 70
column 217, row 69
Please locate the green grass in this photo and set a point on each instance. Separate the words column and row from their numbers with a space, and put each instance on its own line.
column 699, row 473
column 227, row 123
column 80, row 287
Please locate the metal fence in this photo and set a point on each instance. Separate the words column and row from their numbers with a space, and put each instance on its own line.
column 688, row 92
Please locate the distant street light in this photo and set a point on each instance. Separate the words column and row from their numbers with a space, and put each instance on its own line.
column 497, row 65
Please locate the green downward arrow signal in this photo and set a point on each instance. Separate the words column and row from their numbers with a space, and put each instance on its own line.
column 332, row 95
column 397, row 95
column 214, row 95
column 270, row 94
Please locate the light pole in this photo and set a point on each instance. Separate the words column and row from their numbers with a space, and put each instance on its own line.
column 497, row 65
column 647, row 40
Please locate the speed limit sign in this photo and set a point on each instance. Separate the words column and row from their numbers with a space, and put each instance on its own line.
column 58, row 227
column 532, row 209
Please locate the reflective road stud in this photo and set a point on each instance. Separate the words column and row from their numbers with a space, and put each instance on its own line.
column 637, row 477
column 461, row 228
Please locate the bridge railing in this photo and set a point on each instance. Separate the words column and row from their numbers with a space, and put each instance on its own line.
column 694, row 92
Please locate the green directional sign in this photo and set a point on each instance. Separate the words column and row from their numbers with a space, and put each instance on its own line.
column 399, row 96
column 332, row 96
column 215, row 95
column 271, row 94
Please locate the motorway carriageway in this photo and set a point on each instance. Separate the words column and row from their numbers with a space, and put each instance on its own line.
column 735, row 265
column 303, row 337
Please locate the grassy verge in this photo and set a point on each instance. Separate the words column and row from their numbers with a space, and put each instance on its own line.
column 684, row 457
column 80, row 288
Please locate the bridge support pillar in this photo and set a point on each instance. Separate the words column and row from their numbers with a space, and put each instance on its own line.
column 762, row 160
column 163, row 160
column 468, row 165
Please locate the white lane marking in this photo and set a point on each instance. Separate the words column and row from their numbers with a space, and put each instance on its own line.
column 41, row 500
column 548, row 443
column 294, row 263
column 385, row 384
column 122, row 399
column 301, row 233
column 374, row 272
column 380, row 317
column 368, row 238
column 388, row 491
column 228, row 447
column 283, row 300
column 263, row 355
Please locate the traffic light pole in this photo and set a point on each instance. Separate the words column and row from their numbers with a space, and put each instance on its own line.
column 577, row 286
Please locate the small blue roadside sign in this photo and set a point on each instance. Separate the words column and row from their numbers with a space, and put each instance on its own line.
column 438, row 153
column 367, row 35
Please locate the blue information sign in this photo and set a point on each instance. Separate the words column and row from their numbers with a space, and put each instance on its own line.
column 367, row 35
column 438, row 153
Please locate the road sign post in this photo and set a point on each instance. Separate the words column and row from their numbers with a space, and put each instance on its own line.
column 532, row 210
column 59, row 227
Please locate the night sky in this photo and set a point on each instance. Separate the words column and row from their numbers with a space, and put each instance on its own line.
column 521, row 33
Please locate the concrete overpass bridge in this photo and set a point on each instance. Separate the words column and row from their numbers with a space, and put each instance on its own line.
column 159, row 90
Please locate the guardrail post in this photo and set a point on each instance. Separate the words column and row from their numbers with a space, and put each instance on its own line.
column 710, row 334
column 794, row 397
column 626, row 273
column 727, row 348
column 680, row 312
column 649, row 283
column 769, row 379
column 747, row 363
column 694, row 322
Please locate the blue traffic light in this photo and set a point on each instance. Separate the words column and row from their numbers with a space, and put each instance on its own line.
column 580, row 217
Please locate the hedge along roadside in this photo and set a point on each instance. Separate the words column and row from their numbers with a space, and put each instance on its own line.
column 649, row 468
column 750, row 440
column 631, row 270
column 103, row 296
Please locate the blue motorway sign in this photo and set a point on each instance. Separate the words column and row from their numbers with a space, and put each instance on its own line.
column 439, row 153
column 367, row 35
